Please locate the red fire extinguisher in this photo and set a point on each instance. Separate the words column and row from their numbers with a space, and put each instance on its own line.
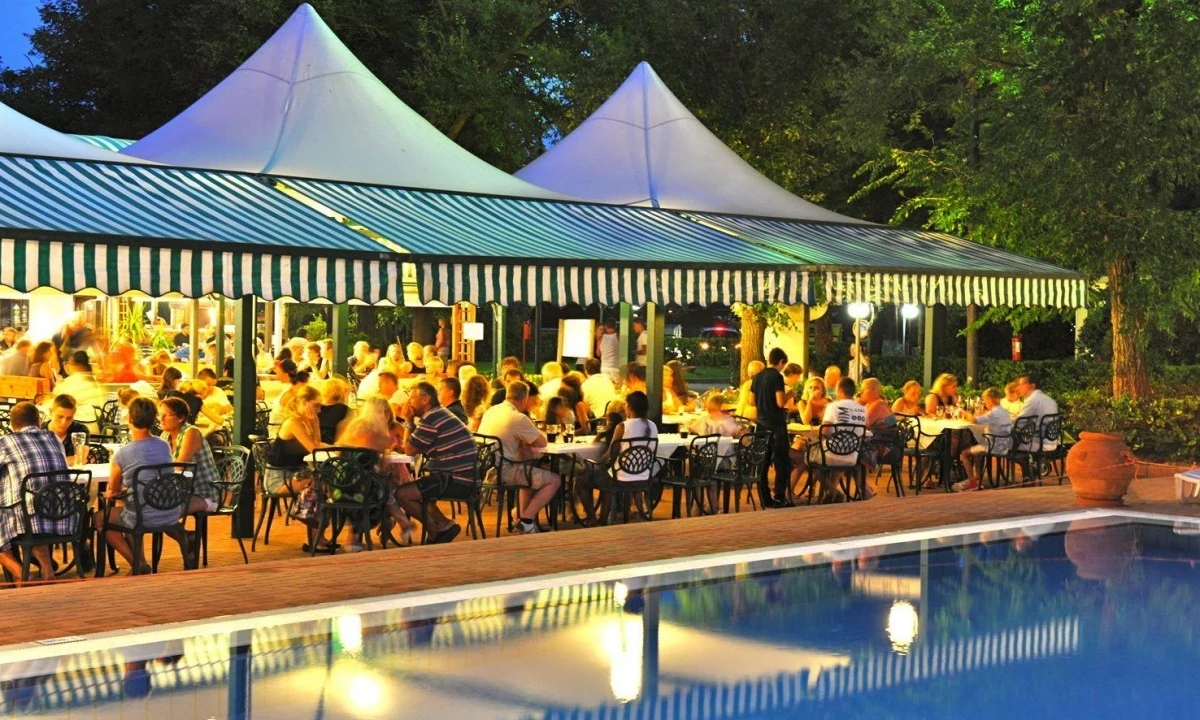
column 526, row 331
column 1016, row 347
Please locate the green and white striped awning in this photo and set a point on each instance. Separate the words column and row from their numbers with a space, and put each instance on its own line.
column 879, row 263
column 490, row 249
column 71, row 225
column 105, row 142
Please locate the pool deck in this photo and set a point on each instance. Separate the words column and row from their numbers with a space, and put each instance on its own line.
column 280, row 576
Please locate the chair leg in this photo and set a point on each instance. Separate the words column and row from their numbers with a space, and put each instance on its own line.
column 271, row 518
column 241, row 546
column 262, row 516
column 155, row 551
column 26, row 561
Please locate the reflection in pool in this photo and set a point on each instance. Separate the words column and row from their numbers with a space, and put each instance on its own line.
column 1095, row 619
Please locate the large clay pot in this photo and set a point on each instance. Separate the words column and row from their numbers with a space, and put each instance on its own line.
column 1101, row 468
column 1100, row 550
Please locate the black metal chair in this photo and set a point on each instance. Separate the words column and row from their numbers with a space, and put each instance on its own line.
column 924, row 451
column 691, row 476
column 753, row 450
column 351, row 490
column 233, row 462
column 1050, row 458
column 270, row 503
column 59, row 498
column 836, row 452
column 97, row 454
column 108, row 418
column 507, row 492
column 262, row 419
column 636, row 457
column 165, row 488
column 1012, row 450
column 5, row 423
column 487, row 456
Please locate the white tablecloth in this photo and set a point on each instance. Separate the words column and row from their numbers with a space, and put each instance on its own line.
column 586, row 449
column 391, row 458
column 935, row 426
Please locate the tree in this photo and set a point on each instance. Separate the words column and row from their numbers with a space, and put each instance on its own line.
column 1067, row 131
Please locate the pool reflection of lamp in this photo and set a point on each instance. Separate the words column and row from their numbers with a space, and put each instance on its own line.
column 902, row 626
column 858, row 311
column 620, row 592
column 622, row 643
column 364, row 693
column 349, row 634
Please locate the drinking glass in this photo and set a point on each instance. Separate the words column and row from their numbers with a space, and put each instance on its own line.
column 79, row 440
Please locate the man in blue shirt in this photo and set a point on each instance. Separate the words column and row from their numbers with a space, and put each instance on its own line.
column 26, row 451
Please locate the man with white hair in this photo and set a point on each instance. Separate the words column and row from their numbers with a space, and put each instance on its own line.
column 552, row 374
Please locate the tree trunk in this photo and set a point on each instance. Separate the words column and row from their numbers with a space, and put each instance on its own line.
column 823, row 335
column 1130, row 375
column 753, row 327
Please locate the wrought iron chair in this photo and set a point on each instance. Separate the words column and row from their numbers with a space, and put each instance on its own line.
column 270, row 503
column 165, row 488
column 1050, row 458
column 691, row 476
column 1008, row 451
column 836, row 453
column 636, row 457
column 232, row 465
column 753, row 451
column 108, row 418
column 351, row 490
column 59, row 500
column 97, row 454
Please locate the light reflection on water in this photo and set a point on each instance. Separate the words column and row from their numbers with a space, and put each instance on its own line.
column 1096, row 621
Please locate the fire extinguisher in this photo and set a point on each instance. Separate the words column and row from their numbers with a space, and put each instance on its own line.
column 1016, row 347
column 526, row 331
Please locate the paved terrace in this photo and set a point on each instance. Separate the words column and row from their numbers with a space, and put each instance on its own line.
column 280, row 576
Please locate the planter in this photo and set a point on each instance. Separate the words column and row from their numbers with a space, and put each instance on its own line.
column 1100, row 550
column 1101, row 468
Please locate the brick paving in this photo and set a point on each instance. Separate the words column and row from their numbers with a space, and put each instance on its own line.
column 279, row 576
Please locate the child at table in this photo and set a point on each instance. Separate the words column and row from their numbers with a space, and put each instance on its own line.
column 996, row 422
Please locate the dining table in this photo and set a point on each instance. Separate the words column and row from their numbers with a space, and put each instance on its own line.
column 585, row 447
column 932, row 428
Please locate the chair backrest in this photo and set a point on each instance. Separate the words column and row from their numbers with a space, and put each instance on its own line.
column 5, row 422
column 232, row 463
column 57, row 496
column 106, row 415
column 909, row 429
column 97, row 454
column 351, row 472
column 1024, row 431
column 636, row 459
column 840, row 440
column 703, row 456
column 752, row 451
column 487, row 455
column 262, row 420
column 164, row 487
column 1050, row 430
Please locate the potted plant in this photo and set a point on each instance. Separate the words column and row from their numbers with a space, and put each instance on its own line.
column 1101, row 468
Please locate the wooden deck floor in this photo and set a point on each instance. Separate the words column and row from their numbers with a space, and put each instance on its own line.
column 280, row 576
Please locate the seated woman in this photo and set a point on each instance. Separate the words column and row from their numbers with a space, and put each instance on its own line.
column 584, row 489
column 416, row 358
column 169, row 385
column 374, row 428
column 142, row 450
column 313, row 360
column 476, row 399
column 157, row 363
column 910, row 402
column 571, row 391
column 814, row 401
column 189, row 446
column 299, row 435
column 43, row 363
column 674, row 379
column 334, row 412
column 557, row 412
column 672, row 404
column 435, row 369
column 715, row 421
column 943, row 395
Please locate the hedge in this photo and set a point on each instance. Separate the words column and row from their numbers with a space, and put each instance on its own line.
column 1163, row 428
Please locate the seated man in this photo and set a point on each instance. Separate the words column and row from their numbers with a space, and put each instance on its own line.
column 449, row 452
column 598, row 389
column 449, row 390
column 510, row 375
column 997, row 421
column 635, row 378
column 81, row 384
column 521, row 440
column 63, row 423
column 845, row 410
column 24, row 452
column 390, row 390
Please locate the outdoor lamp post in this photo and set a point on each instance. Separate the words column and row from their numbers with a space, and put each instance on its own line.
column 908, row 312
column 858, row 311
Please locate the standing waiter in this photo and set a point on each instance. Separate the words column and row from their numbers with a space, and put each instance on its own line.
column 769, row 397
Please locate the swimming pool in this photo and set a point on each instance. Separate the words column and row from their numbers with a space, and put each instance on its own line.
column 1087, row 616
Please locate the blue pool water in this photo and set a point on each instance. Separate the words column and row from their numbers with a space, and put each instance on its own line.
column 1095, row 619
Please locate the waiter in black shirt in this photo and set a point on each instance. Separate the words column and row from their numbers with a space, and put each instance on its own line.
column 769, row 397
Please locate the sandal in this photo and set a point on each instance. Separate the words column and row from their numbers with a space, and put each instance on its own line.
column 327, row 549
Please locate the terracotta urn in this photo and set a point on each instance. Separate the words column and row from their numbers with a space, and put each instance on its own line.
column 1101, row 468
column 1100, row 550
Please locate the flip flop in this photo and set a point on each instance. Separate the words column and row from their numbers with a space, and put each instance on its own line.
column 447, row 535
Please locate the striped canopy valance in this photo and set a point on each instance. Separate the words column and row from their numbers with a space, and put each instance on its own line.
column 115, row 269
column 481, row 283
column 846, row 287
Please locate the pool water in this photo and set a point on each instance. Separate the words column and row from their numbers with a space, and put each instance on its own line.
column 1096, row 618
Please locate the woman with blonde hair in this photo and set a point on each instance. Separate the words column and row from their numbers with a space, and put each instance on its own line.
column 416, row 358
column 813, row 402
column 374, row 428
column 334, row 412
column 434, row 369
column 909, row 403
column 943, row 394
column 298, row 436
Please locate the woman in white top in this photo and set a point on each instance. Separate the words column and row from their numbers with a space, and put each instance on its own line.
column 636, row 427
column 715, row 421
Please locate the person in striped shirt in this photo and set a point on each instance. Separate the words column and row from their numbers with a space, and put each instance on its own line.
column 445, row 442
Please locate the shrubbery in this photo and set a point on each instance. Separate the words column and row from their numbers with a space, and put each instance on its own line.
column 1163, row 428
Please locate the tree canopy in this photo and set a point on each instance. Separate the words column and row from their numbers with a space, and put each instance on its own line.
column 1065, row 131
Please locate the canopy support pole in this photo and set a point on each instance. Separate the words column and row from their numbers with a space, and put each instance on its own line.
column 340, row 332
column 804, row 359
column 656, row 339
column 499, row 330
column 194, row 339
column 244, row 399
column 624, row 332
column 972, row 345
column 219, row 339
column 927, row 347
column 537, row 339
column 1080, row 318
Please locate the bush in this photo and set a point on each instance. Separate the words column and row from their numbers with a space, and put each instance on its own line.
column 699, row 353
column 1163, row 428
